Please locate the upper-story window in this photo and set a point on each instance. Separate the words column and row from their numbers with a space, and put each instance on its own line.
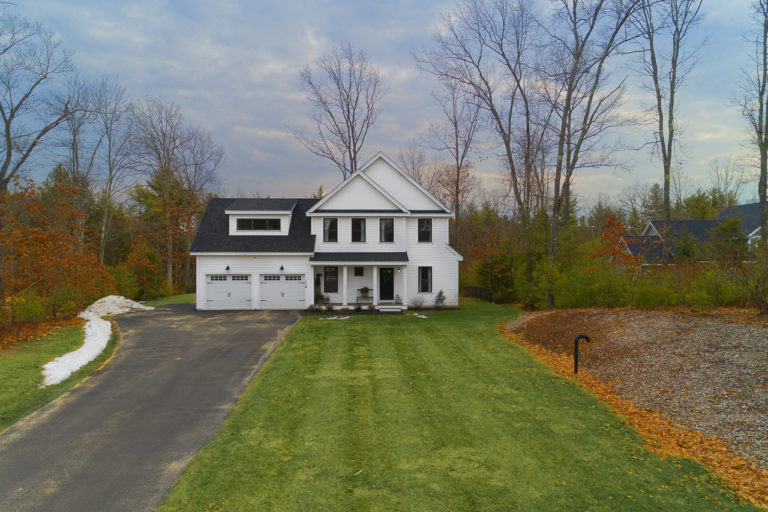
column 358, row 230
column 330, row 230
column 425, row 230
column 258, row 224
column 387, row 230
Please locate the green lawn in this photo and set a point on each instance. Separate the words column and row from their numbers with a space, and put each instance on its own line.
column 401, row 413
column 20, row 372
column 185, row 298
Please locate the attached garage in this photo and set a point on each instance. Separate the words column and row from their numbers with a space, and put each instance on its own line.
column 283, row 291
column 228, row 291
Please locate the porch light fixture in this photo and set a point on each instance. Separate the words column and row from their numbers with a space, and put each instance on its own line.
column 281, row 267
column 227, row 267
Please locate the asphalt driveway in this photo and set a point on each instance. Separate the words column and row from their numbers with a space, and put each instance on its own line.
column 121, row 439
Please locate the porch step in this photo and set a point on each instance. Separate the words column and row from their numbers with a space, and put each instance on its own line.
column 391, row 309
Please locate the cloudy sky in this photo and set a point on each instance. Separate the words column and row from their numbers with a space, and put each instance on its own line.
column 233, row 66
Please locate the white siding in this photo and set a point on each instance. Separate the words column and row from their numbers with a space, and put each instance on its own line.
column 398, row 186
column 435, row 254
column 358, row 194
column 372, row 244
column 255, row 266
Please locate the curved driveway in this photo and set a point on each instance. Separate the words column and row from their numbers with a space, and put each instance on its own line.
column 121, row 439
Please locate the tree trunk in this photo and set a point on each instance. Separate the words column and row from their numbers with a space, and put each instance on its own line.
column 762, row 192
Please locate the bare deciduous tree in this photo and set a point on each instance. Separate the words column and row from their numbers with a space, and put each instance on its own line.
column 160, row 136
column 118, row 156
column 199, row 160
column 345, row 92
column 31, row 59
column 455, row 134
column 665, row 27
column 728, row 177
column 754, row 107
column 490, row 49
column 583, row 37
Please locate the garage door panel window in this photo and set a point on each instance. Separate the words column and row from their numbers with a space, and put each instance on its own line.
column 241, row 278
column 294, row 278
column 331, row 279
column 217, row 278
column 271, row 278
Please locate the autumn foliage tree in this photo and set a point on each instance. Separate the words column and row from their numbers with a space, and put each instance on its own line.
column 47, row 270
column 612, row 247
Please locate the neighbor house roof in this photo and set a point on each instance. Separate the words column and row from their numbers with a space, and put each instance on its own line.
column 649, row 247
column 213, row 233
column 698, row 229
column 749, row 214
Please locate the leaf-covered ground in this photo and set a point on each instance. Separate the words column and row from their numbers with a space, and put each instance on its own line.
column 443, row 413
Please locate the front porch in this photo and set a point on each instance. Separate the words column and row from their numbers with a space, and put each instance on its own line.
column 381, row 284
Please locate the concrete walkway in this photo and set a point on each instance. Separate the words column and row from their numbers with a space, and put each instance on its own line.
column 121, row 439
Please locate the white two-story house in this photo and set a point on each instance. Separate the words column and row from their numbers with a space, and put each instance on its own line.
column 377, row 239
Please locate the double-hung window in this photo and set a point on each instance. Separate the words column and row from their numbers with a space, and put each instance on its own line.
column 330, row 230
column 425, row 230
column 387, row 230
column 358, row 230
column 425, row 279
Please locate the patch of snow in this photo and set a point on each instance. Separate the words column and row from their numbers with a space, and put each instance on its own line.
column 418, row 315
column 330, row 318
column 115, row 305
column 343, row 318
column 97, row 333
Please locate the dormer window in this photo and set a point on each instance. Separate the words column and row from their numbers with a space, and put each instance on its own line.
column 258, row 224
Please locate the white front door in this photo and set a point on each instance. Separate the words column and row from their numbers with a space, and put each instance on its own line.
column 283, row 291
column 224, row 291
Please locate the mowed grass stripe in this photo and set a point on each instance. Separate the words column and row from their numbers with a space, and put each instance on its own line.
column 401, row 413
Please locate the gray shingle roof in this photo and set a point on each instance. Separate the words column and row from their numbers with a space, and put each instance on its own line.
column 213, row 232
column 698, row 229
column 649, row 247
column 389, row 257
column 262, row 204
column 749, row 214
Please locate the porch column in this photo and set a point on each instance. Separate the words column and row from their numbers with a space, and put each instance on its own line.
column 405, row 286
column 344, row 285
column 375, row 289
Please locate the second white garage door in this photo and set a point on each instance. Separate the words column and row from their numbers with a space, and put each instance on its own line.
column 283, row 291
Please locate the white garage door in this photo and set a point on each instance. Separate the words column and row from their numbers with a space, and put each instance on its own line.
column 283, row 291
column 228, row 291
